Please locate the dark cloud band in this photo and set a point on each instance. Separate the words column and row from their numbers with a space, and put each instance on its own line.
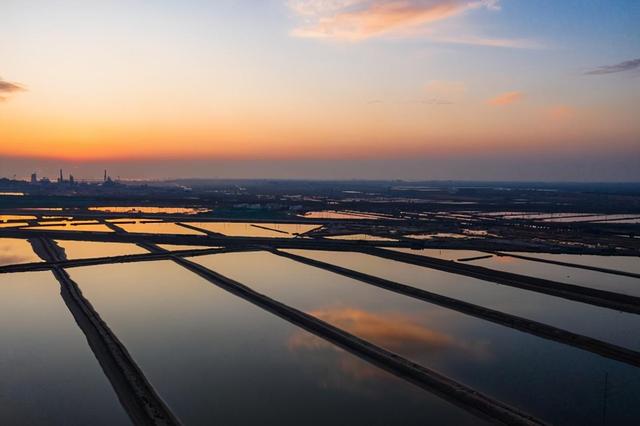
column 7, row 87
column 611, row 69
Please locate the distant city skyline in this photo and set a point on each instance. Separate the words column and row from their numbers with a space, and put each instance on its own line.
column 598, row 168
column 372, row 89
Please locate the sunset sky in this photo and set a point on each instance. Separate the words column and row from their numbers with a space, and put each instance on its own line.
column 412, row 89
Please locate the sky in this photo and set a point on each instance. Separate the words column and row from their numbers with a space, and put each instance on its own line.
column 372, row 89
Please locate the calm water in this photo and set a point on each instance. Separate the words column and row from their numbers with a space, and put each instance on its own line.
column 131, row 220
column 366, row 237
column 634, row 221
column 442, row 254
column 620, row 263
column 273, row 230
column 147, row 209
column 13, row 224
column 605, row 324
column 499, row 361
column 14, row 250
column 612, row 217
column 435, row 236
column 68, row 226
column 158, row 228
column 65, row 222
column 565, row 274
column 174, row 247
column 332, row 214
column 6, row 217
column 88, row 249
column 48, row 374
column 217, row 359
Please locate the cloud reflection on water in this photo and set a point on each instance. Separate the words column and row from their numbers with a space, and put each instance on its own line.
column 14, row 251
column 403, row 334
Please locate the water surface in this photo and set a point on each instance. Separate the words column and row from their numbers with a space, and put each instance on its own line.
column 620, row 263
column 15, row 250
column 158, row 228
column 436, row 236
column 445, row 254
column 70, row 226
column 367, row 237
column 601, row 323
column 507, row 364
column 174, row 247
column 147, row 209
column 565, row 274
column 274, row 230
column 332, row 214
column 7, row 217
column 89, row 249
column 48, row 374
column 217, row 359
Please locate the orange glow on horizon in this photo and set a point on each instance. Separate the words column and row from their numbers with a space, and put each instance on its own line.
column 357, row 131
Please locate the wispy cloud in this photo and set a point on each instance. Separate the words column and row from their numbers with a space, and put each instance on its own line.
column 356, row 20
column 620, row 67
column 7, row 87
column 506, row 98
column 319, row 7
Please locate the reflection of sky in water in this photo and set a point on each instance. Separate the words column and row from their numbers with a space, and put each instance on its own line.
column 637, row 220
column 620, row 263
column 441, row 254
column 5, row 217
column 275, row 230
column 499, row 361
column 145, row 209
column 48, row 374
column 13, row 224
column 158, row 228
column 605, row 324
column 69, row 227
column 436, row 235
column 176, row 247
column 331, row 214
column 88, row 249
column 67, row 222
column 614, row 218
column 397, row 332
column 360, row 237
column 14, row 250
column 216, row 358
column 565, row 274
column 131, row 220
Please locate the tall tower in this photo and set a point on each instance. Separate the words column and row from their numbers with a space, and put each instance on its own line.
column 34, row 178
column 60, row 179
column 105, row 176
